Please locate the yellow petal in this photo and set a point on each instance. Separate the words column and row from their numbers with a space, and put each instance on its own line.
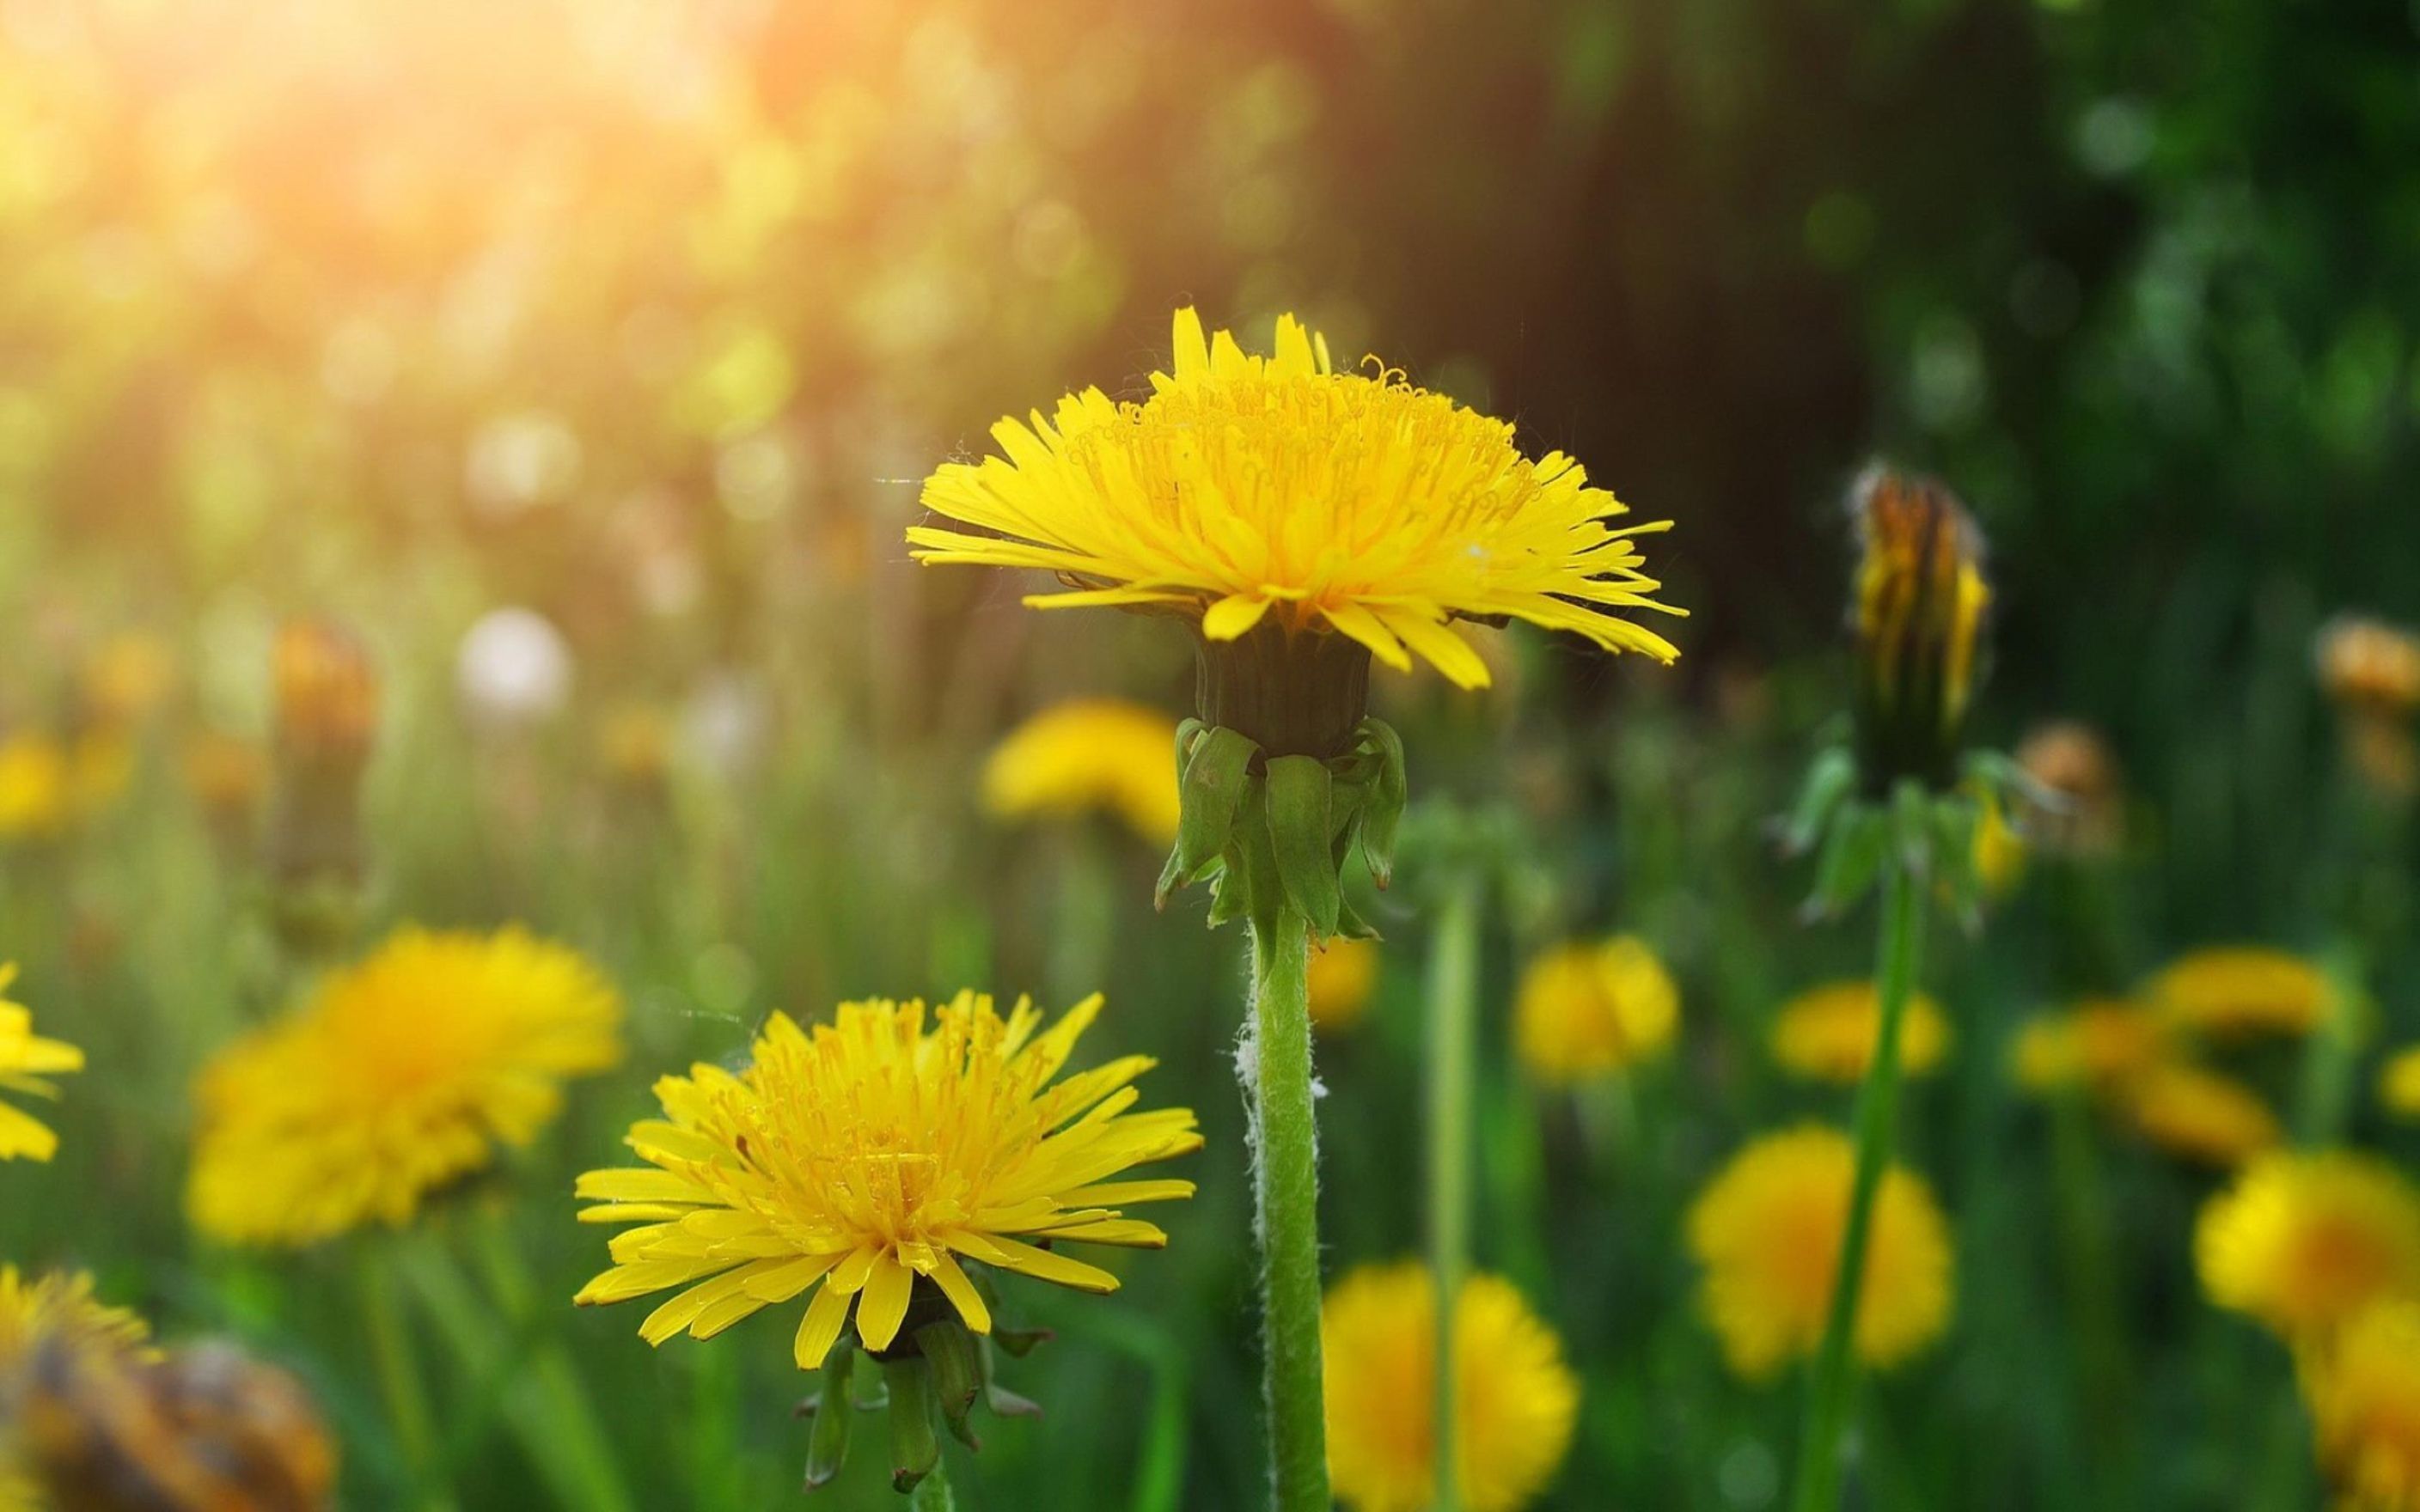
column 885, row 1303
column 1231, row 616
column 820, row 1329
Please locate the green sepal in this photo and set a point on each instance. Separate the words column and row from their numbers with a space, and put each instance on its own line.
column 828, row 1441
column 1016, row 1343
column 1829, row 781
column 1854, row 849
column 914, row 1448
column 1247, row 884
column 1952, row 819
column 1212, row 773
column 957, row 1375
column 1003, row 1401
column 1384, row 795
column 1350, row 925
column 1303, row 841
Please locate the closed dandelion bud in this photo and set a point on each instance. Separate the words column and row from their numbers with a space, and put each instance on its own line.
column 327, row 723
column 2371, row 672
column 1921, row 601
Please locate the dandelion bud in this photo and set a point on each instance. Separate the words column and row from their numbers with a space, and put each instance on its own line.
column 327, row 720
column 327, row 696
column 1920, row 600
column 2371, row 672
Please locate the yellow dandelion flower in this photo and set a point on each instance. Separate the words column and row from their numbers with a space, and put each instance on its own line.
column 1344, row 978
column 2398, row 1084
column 1828, row 1034
column 128, row 676
column 871, row 1155
column 1345, row 501
column 1589, row 1010
column 2232, row 991
column 2363, row 1394
column 1768, row 1228
column 2195, row 1113
column 1999, row 851
column 2370, row 665
column 1514, row 1398
column 28, row 1061
column 59, row 1304
column 2301, row 1242
column 398, row 1077
column 36, row 787
column 2099, row 1044
column 1086, row 754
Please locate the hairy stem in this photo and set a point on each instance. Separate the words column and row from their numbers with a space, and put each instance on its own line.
column 1285, row 1185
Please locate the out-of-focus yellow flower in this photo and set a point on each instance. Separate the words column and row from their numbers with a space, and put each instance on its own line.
column 2195, row 1113
column 2232, row 991
column 1999, row 859
column 1767, row 1229
column 36, row 787
column 1344, row 976
column 26, row 1063
column 875, row 1151
column 1919, row 606
column 1085, row 755
column 2369, row 666
column 1348, row 502
column 2099, row 1044
column 2303, row 1243
column 1828, row 1034
column 127, row 677
column 2363, row 1394
column 59, row 1304
column 399, row 1077
column 1514, row 1398
column 2398, row 1084
column 634, row 745
column 1591, row 1009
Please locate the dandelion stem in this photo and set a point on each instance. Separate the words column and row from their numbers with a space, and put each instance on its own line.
column 932, row 1494
column 1285, row 1182
column 400, row 1386
column 1829, row 1388
column 1453, row 1011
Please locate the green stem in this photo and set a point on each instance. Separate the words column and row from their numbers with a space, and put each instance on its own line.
column 1286, row 1183
column 548, row 1407
column 932, row 1494
column 2333, row 1054
column 400, row 1386
column 1452, row 1028
column 1829, row 1390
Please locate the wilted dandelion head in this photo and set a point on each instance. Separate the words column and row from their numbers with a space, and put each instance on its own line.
column 872, row 1155
column 28, row 1061
column 399, row 1077
column 1590, row 1009
column 1344, row 978
column 1828, row 1034
column 1089, row 754
column 2363, row 1394
column 2369, row 666
column 1918, row 612
column 1276, row 488
column 1767, row 1229
column 1514, row 1398
column 327, row 693
column 2228, row 992
column 2301, row 1242
column 2199, row 1115
column 2098, row 1044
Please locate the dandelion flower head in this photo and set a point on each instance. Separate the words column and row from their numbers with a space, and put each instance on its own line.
column 1248, row 489
column 398, row 1077
column 2301, row 1242
column 28, row 1061
column 2196, row 1113
column 1086, row 754
column 870, row 1156
column 1591, row 1009
column 2232, row 991
column 2363, row 1394
column 1344, row 978
column 2099, row 1044
column 1514, row 1397
column 1828, row 1033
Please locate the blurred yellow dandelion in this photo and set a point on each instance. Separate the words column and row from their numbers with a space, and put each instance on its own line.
column 1085, row 755
column 1514, row 1398
column 1343, row 976
column 2099, row 1044
column 2363, row 1394
column 128, row 676
column 28, row 1061
column 36, row 787
column 59, row 1304
column 2301, row 1242
column 2398, row 1084
column 2369, row 665
column 2195, row 1113
column 1999, row 851
column 1828, row 1034
column 2233, row 991
column 1591, row 1009
column 1345, row 501
column 870, row 1155
column 399, row 1077
column 1767, row 1229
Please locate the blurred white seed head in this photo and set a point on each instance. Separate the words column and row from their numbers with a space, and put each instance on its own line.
column 514, row 667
